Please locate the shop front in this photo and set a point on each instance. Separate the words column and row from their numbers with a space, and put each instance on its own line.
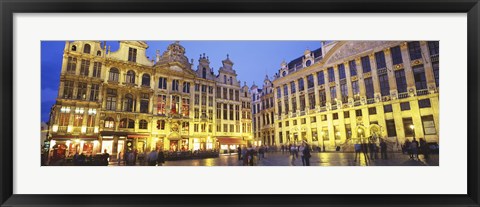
column 230, row 144
column 66, row 146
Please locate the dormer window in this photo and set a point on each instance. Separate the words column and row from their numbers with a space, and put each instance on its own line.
column 99, row 53
column 86, row 49
column 132, row 54
column 74, row 48
column 308, row 63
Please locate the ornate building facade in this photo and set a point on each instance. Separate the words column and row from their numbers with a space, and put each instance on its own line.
column 349, row 91
column 263, row 113
column 122, row 101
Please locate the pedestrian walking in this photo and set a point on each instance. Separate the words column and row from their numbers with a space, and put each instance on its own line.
column 301, row 148
column 152, row 158
column 383, row 149
column 358, row 151
column 414, row 149
column 245, row 156
column 239, row 153
column 119, row 158
column 371, row 148
column 306, row 154
column 106, row 157
column 292, row 152
column 424, row 148
column 130, row 159
column 160, row 158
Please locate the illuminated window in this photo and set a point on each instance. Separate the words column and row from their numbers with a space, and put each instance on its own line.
column 109, row 123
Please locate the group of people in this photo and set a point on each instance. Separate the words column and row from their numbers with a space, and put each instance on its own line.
column 152, row 158
column 80, row 159
column 247, row 154
column 370, row 150
column 413, row 148
column 304, row 151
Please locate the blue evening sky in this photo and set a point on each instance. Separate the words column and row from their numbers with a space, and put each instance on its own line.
column 252, row 60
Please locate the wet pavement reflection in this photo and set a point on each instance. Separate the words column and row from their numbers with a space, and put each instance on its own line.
column 317, row 159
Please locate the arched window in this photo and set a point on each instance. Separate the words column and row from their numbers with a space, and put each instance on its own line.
column 127, row 123
column 143, row 124
column 204, row 73
column 74, row 48
column 130, row 77
column 113, row 74
column 146, row 80
column 86, row 49
column 128, row 103
column 99, row 53
column 109, row 123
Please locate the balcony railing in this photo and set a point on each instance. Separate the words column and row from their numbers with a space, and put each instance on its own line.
column 62, row 129
column 90, row 130
column 434, row 58
column 422, row 92
column 370, row 101
column 302, row 113
column 323, row 108
column 403, row 95
column 334, row 107
column 357, row 103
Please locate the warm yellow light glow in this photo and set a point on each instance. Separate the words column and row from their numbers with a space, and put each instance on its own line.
column 55, row 128
column 69, row 129
column 338, row 133
column 359, row 131
column 77, row 140
column 84, row 129
column 412, row 127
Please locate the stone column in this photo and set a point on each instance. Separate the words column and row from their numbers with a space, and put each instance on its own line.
column 316, row 88
column 337, row 84
column 392, row 82
column 297, row 95
column 417, row 119
column 427, row 64
column 307, row 99
column 407, row 66
column 327, row 87
column 349, row 81
column 361, row 83
column 376, row 82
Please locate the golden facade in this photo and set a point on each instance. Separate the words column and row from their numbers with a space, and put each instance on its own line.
column 347, row 91
column 121, row 101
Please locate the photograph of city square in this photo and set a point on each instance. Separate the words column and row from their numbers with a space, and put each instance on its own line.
column 239, row 103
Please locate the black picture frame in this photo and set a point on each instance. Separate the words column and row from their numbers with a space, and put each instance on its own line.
column 10, row 7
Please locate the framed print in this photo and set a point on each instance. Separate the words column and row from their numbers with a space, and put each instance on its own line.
column 200, row 103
